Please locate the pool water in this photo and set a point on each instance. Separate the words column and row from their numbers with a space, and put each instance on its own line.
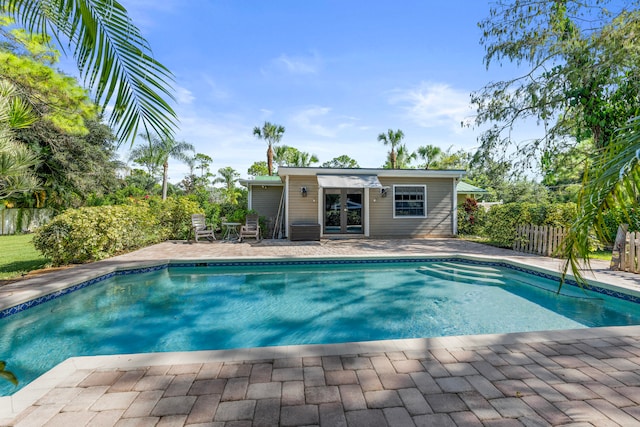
column 205, row 308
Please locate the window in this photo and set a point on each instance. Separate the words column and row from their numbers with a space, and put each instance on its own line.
column 409, row 201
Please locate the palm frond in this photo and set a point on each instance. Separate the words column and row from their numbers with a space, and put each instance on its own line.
column 611, row 181
column 114, row 59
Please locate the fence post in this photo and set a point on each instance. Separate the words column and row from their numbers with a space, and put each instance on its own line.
column 617, row 255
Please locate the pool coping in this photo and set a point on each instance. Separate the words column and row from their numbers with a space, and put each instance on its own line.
column 11, row 406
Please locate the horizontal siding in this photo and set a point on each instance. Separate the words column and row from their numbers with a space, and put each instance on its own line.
column 303, row 209
column 265, row 201
column 437, row 223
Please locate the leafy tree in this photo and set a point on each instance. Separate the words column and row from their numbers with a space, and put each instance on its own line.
column 158, row 151
column 563, row 173
column 76, row 150
column 229, row 177
column 74, row 168
column 583, row 84
column 343, row 161
column 430, row 154
column 582, row 79
column 454, row 160
column 392, row 138
column 203, row 162
column 145, row 156
column 113, row 58
column 192, row 181
column 272, row 134
column 139, row 180
column 258, row 169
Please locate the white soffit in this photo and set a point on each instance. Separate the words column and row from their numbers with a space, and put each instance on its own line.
column 348, row 181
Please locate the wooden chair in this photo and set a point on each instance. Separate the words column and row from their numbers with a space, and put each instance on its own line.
column 200, row 228
column 251, row 228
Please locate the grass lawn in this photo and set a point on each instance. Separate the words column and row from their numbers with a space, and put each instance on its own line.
column 18, row 256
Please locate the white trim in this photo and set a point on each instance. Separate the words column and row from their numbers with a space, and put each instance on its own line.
column 393, row 203
column 286, row 208
column 320, row 209
column 365, row 204
column 454, row 205
column 348, row 181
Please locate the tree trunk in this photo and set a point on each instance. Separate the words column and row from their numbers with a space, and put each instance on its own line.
column 393, row 158
column 165, row 169
column 270, row 160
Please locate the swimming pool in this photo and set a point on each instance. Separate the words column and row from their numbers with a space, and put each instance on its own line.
column 222, row 305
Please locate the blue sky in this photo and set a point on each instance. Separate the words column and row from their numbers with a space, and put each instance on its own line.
column 334, row 73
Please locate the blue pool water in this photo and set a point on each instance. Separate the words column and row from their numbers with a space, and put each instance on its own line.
column 206, row 308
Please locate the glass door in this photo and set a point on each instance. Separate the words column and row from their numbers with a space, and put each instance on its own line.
column 354, row 212
column 343, row 211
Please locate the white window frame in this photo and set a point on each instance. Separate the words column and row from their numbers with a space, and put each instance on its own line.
column 424, row 201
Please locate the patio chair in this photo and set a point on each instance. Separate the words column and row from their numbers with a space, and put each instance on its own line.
column 200, row 227
column 251, row 228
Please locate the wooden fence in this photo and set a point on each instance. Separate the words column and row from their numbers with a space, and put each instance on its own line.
column 629, row 253
column 538, row 239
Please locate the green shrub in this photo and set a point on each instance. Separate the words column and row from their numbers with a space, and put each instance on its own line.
column 93, row 233
column 174, row 216
column 471, row 217
column 614, row 217
column 502, row 220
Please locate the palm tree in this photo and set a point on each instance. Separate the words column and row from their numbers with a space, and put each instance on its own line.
column 282, row 155
column 159, row 151
column 113, row 58
column 302, row 159
column 430, row 154
column 404, row 157
column 272, row 134
column 17, row 161
column 392, row 138
column 612, row 180
column 229, row 177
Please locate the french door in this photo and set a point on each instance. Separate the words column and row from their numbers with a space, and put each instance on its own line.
column 343, row 211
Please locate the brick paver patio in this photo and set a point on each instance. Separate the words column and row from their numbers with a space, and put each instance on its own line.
column 586, row 377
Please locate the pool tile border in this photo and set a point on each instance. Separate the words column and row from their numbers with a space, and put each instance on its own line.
column 600, row 288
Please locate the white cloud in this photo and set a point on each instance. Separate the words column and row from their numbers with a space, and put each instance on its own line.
column 435, row 104
column 214, row 89
column 298, row 65
column 183, row 95
column 307, row 120
column 318, row 121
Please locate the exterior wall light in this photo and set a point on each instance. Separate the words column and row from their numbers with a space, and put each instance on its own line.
column 303, row 191
column 383, row 192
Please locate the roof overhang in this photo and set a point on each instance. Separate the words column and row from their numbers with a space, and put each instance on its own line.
column 262, row 181
column 348, row 181
column 411, row 173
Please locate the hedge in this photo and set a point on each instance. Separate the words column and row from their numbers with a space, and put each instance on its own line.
column 94, row 233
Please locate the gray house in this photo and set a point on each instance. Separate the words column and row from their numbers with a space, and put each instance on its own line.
column 310, row 203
